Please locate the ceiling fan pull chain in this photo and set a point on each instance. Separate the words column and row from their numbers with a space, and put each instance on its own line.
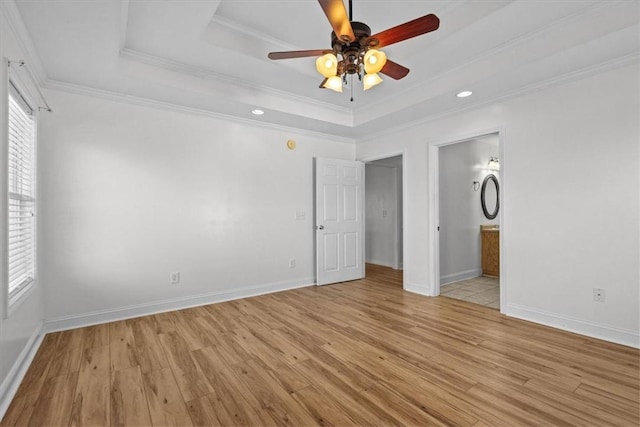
column 351, row 87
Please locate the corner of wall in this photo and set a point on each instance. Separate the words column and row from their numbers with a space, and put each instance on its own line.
column 418, row 289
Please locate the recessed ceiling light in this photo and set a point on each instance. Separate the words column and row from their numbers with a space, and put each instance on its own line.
column 464, row 94
column 257, row 112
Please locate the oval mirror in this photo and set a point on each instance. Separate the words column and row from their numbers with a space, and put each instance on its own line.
column 490, row 196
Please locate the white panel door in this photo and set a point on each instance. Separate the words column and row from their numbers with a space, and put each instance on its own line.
column 339, row 220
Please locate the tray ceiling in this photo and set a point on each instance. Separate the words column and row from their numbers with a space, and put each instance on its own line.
column 212, row 55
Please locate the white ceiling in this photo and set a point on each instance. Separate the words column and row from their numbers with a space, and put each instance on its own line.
column 212, row 55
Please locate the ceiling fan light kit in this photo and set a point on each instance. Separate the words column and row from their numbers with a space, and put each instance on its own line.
column 333, row 83
column 355, row 51
column 370, row 80
column 327, row 65
column 374, row 61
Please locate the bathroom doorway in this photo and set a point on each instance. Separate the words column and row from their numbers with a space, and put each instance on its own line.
column 469, row 230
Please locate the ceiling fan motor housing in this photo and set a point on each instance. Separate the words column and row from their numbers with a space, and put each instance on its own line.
column 353, row 52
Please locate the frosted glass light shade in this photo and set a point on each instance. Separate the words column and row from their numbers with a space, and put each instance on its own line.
column 333, row 83
column 370, row 80
column 327, row 65
column 494, row 164
column 374, row 60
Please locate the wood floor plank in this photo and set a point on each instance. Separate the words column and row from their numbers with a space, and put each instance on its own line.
column 323, row 409
column 521, row 410
column 352, row 403
column 163, row 323
column 68, row 353
column 188, row 375
column 96, row 336
column 91, row 404
column 193, row 329
column 572, row 406
column 209, row 411
column 272, row 397
column 37, row 373
column 166, row 405
column 72, row 338
column 254, row 346
column 20, row 410
column 477, row 370
column 128, row 400
column 283, row 348
column 397, row 376
column 122, row 346
column 148, row 351
column 238, row 399
column 54, row 404
column 408, row 413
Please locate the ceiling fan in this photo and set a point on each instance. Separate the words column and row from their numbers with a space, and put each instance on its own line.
column 354, row 49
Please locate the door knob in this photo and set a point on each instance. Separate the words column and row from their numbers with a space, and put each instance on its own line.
column 320, row 227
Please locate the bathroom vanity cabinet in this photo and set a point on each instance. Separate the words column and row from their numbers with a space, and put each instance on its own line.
column 490, row 235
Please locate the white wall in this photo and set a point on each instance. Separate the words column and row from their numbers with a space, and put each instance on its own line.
column 459, row 165
column 132, row 193
column 381, row 213
column 20, row 331
column 570, row 186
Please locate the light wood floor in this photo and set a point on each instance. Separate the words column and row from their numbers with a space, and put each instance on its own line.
column 362, row 352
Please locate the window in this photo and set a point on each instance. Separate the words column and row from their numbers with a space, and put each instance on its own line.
column 21, row 204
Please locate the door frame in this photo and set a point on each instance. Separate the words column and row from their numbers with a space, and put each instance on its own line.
column 434, row 209
column 370, row 159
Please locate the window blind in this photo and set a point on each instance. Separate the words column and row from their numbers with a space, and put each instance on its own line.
column 21, row 203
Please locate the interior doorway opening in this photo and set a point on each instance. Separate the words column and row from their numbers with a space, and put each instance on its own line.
column 469, row 220
column 384, row 213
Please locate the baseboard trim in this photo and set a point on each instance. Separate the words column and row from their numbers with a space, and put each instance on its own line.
column 378, row 262
column 462, row 275
column 590, row 329
column 129, row 312
column 12, row 381
column 417, row 289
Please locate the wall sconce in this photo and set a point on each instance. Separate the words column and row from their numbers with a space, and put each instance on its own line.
column 494, row 164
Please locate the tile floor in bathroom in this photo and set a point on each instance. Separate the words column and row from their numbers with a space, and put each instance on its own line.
column 479, row 290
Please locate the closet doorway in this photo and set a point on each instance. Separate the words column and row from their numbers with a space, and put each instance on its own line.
column 384, row 212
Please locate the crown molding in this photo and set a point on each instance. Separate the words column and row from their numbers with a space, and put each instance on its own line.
column 236, row 26
column 146, row 102
column 25, row 44
column 555, row 81
column 514, row 42
column 180, row 67
column 633, row 58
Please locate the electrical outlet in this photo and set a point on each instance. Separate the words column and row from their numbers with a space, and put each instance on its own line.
column 175, row 277
column 598, row 294
column 292, row 263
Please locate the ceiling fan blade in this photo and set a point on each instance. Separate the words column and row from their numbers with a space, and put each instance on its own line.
column 296, row 54
column 338, row 18
column 394, row 70
column 408, row 30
